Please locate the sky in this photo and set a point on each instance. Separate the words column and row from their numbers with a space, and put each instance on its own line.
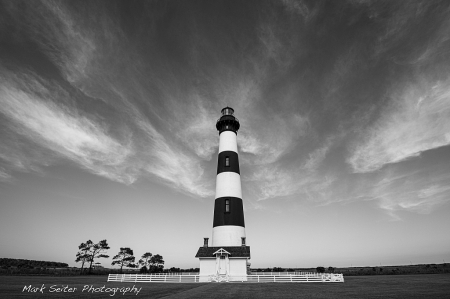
column 107, row 128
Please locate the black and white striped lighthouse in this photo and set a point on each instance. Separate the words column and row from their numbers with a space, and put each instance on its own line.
column 228, row 224
column 227, row 259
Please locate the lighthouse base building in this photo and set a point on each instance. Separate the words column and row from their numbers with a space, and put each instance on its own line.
column 228, row 257
column 225, row 263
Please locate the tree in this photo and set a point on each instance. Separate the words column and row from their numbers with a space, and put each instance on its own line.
column 83, row 254
column 277, row 269
column 320, row 269
column 330, row 269
column 157, row 264
column 96, row 251
column 124, row 258
column 145, row 262
column 175, row 270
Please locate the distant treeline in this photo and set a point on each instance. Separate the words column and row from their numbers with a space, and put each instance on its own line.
column 396, row 270
column 380, row 270
column 178, row 270
column 31, row 267
column 30, row 264
column 279, row 269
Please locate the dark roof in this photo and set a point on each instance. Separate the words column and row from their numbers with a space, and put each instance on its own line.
column 228, row 108
column 235, row 251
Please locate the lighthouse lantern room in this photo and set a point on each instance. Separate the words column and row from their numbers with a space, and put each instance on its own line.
column 227, row 257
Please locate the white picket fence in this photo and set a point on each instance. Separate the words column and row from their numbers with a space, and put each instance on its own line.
column 153, row 278
column 285, row 273
column 188, row 278
column 310, row 277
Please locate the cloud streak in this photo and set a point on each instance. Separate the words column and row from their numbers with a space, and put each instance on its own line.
column 417, row 120
column 4, row 176
column 61, row 129
column 411, row 193
column 70, row 134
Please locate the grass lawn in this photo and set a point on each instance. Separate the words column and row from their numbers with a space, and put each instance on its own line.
column 381, row 286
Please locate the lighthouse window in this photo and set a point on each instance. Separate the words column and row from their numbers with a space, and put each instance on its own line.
column 227, row 161
column 227, row 205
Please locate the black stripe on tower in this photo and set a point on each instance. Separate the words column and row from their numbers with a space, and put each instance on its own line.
column 228, row 211
column 228, row 161
column 227, row 123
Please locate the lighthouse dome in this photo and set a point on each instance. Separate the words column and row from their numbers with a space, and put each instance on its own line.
column 227, row 111
column 227, row 122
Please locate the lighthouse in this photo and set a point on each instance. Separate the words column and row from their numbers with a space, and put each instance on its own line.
column 227, row 257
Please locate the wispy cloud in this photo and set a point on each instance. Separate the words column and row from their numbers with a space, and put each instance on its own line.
column 276, row 180
column 316, row 157
column 404, row 26
column 421, row 201
column 396, row 189
column 123, row 149
column 69, row 133
column 270, row 182
column 60, row 128
column 297, row 6
column 16, row 154
column 4, row 176
column 267, row 142
column 417, row 120
column 52, row 26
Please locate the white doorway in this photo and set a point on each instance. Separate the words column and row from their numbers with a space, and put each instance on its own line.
column 223, row 264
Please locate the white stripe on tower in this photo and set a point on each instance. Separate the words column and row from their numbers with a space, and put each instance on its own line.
column 228, row 141
column 228, row 224
column 228, row 184
column 227, row 235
